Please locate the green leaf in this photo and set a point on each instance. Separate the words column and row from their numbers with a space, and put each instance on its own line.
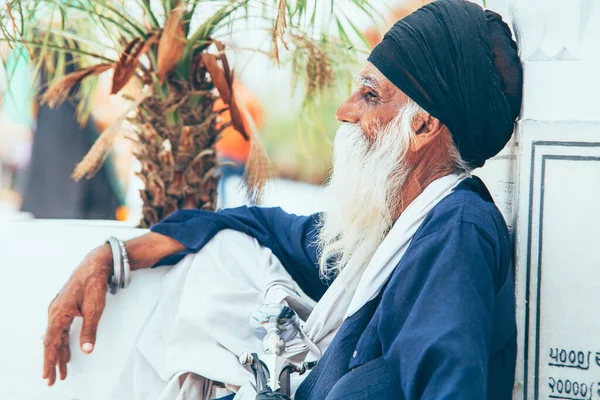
column 201, row 37
column 313, row 16
column 374, row 15
column 23, row 32
column 138, row 28
column 43, row 51
column 63, row 49
column 169, row 5
column 145, row 4
column 300, row 8
column 91, row 12
column 342, row 32
column 79, row 39
column 288, row 9
column 358, row 33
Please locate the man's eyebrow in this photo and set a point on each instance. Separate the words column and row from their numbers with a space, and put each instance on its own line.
column 367, row 81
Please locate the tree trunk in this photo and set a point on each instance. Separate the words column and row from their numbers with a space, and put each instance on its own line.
column 175, row 147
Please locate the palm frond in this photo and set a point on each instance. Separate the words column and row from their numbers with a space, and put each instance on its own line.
column 172, row 43
column 318, row 36
column 60, row 90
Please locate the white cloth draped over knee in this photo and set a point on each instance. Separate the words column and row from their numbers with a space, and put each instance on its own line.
column 200, row 324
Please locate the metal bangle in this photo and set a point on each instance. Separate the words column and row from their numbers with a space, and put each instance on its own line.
column 116, row 281
column 126, row 266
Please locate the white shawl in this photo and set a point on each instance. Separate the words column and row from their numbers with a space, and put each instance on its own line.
column 352, row 289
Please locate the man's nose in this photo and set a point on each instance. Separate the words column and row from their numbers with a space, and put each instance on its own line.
column 348, row 112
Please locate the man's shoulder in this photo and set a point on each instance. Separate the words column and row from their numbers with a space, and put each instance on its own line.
column 469, row 203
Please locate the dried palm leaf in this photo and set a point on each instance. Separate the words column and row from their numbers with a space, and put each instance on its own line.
column 314, row 64
column 279, row 29
column 217, row 76
column 60, row 90
column 93, row 160
column 257, row 171
column 225, row 89
column 172, row 42
column 128, row 61
column 223, row 57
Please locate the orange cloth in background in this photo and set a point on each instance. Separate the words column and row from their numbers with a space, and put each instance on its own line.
column 373, row 35
column 232, row 145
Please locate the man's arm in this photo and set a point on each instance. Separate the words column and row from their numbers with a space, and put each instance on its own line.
column 290, row 237
column 147, row 250
column 436, row 326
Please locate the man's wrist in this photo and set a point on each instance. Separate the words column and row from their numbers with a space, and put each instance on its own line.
column 103, row 256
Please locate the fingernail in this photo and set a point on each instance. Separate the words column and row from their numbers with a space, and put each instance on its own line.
column 87, row 347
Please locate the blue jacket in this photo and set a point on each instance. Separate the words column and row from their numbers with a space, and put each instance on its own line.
column 445, row 321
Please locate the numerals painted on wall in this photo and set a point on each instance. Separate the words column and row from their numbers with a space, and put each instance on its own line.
column 562, row 360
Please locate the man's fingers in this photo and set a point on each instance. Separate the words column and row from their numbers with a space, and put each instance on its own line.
column 64, row 356
column 49, row 358
column 57, row 324
column 62, row 370
column 52, row 376
column 51, row 344
column 91, row 311
column 65, row 351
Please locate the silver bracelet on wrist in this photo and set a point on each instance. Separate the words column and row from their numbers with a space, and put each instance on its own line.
column 126, row 269
column 121, row 271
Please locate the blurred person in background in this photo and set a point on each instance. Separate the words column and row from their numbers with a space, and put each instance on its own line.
column 59, row 143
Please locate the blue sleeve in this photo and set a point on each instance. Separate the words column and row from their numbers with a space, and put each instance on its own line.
column 290, row 237
column 437, row 315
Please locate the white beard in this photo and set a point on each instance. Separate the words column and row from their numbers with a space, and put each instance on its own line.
column 363, row 192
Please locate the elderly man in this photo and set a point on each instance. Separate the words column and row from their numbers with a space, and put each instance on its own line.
column 410, row 264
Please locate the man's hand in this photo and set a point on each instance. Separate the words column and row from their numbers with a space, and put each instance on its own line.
column 84, row 295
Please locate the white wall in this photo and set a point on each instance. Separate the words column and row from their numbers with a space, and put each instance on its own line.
column 557, row 218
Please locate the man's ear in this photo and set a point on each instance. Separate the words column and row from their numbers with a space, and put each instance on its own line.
column 427, row 128
column 425, row 124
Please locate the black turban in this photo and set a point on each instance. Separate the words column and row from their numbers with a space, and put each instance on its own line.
column 460, row 64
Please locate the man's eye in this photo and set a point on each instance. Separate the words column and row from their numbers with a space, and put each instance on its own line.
column 370, row 96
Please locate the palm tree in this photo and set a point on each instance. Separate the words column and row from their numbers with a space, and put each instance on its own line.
column 175, row 52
